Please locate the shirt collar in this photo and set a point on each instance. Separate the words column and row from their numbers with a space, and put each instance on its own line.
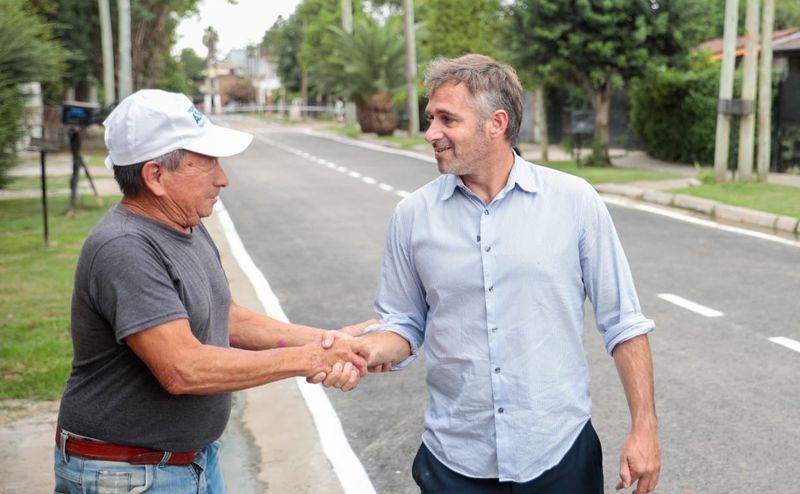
column 521, row 174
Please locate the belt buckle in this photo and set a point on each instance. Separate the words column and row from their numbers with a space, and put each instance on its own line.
column 62, row 444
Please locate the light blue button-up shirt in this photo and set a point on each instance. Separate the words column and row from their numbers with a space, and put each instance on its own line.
column 497, row 294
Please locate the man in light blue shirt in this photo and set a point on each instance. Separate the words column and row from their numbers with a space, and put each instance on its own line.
column 489, row 265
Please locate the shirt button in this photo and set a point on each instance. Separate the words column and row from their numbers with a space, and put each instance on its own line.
column 500, row 410
column 487, row 249
column 494, row 330
column 486, row 211
column 491, row 288
column 497, row 370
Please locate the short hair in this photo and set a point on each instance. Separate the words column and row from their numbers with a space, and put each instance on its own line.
column 493, row 86
column 130, row 179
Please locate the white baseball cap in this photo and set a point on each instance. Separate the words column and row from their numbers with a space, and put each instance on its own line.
column 152, row 122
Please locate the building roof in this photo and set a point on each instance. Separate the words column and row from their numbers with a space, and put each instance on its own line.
column 783, row 40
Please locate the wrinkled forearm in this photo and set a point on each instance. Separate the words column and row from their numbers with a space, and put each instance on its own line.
column 208, row 369
column 253, row 331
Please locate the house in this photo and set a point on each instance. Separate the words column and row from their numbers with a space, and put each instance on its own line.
column 786, row 102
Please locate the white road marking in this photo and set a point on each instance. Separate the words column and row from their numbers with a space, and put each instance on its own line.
column 346, row 465
column 369, row 145
column 676, row 215
column 402, row 193
column 386, row 187
column 689, row 305
column 619, row 201
column 355, row 174
column 787, row 342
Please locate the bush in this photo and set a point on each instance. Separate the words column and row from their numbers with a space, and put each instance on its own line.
column 26, row 54
column 674, row 114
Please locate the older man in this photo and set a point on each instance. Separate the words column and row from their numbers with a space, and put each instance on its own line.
column 158, row 342
column 490, row 265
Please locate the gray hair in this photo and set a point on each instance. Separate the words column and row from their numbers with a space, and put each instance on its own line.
column 493, row 86
column 130, row 179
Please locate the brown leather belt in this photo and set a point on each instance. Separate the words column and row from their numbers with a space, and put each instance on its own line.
column 98, row 450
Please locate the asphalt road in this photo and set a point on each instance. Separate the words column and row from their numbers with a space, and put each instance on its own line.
column 312, row 213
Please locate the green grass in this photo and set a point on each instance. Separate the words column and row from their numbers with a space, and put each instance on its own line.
column 35, row 348
column 352, row 132
column 772, row 198
column 404, row 142
column 598, row 175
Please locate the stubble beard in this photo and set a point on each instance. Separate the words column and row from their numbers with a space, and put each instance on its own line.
column 456, row 165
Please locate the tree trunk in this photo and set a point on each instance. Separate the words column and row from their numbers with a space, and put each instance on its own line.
column 543, row 136
column 601, row 101
column 376, row 115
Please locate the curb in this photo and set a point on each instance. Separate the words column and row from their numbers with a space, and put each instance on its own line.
column 713, row 209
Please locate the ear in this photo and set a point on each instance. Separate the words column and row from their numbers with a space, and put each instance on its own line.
column 152, row 176
column 497, row 124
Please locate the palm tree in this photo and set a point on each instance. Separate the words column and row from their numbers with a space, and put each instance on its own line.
column 368, row 67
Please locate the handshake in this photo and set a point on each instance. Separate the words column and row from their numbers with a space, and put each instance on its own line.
column 342, row 357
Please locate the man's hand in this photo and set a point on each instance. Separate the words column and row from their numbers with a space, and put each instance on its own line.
column 357, row 329
column 341, row 375
column 344, row 375
column 640, row 460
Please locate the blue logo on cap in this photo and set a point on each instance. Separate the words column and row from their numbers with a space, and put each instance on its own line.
column 198, row 116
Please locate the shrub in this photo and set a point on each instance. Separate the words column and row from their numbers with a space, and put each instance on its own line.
column 673, row 112
column 26, row 54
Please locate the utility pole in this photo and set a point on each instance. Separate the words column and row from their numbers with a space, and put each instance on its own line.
column 347, row 16
column 542, row 135
column 411, row 68
column 124, row 77
column 109, row 94
column 722, row 142
column 347, row 26
column 765, row 92
column 750, row 73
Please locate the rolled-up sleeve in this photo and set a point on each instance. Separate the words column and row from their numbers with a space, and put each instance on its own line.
column 400, row 301
column 607, row 277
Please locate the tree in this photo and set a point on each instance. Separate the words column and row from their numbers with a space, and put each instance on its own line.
column 27, row 53
column 368, row 67
column 76, row 26
column 598, row 45
column 153, row 34
column 304, row 42
column 210, row 41
column 451, row 28
column 282, row 44
column 183, row 74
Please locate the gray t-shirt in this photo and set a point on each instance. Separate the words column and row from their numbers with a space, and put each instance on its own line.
column 135, row 273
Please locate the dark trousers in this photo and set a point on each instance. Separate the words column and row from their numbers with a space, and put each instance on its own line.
column 579, row 472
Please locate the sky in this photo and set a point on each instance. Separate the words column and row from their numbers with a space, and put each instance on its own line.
column 238, row 25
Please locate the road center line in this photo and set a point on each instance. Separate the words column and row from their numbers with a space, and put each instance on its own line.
column 787, row 342
column 689, row 305
column 333, row 166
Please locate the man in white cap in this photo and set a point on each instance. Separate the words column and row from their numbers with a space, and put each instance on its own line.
column 153, row 323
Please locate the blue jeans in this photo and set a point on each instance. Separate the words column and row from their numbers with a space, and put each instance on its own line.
column 85, row 476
